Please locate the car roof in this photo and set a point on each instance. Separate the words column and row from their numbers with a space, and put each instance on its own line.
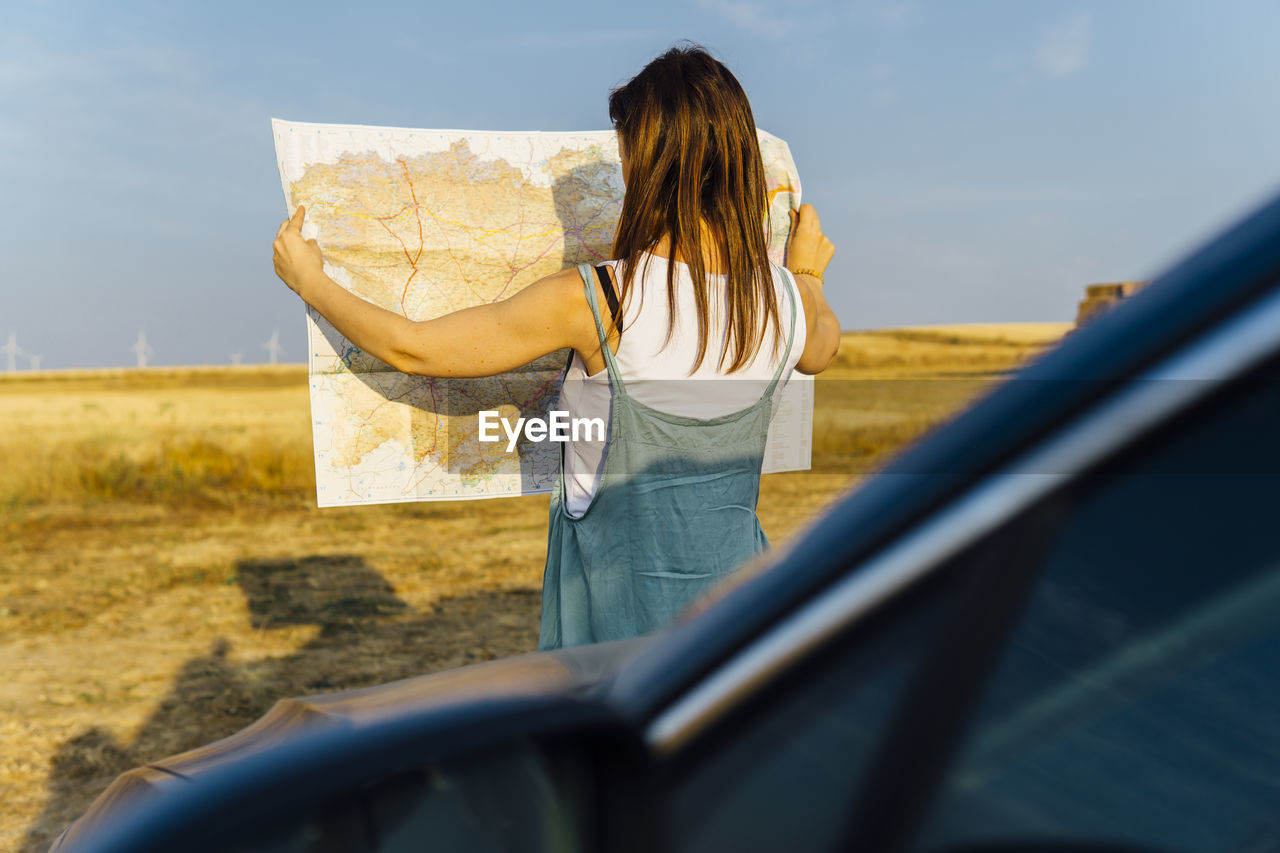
column 410, row 701
column 1192, row 297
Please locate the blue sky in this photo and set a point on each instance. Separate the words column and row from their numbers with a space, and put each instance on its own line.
column 975, row 161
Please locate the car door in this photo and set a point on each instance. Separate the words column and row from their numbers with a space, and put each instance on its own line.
column 1096, row 671
column 1136, row 700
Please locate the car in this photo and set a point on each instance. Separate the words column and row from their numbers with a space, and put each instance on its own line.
column 1052, row 624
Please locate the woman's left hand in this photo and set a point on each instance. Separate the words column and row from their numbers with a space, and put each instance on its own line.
column 295, row 258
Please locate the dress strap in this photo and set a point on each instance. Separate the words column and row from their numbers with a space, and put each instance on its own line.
column 789, row 284
column 589, row 283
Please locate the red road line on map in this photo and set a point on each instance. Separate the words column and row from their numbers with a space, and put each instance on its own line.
column 515, row 271
column 404, row 249
column 413, row 262
column 411, row 258
column 417, row 215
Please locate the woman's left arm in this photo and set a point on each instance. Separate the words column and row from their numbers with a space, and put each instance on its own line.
column 479, row 341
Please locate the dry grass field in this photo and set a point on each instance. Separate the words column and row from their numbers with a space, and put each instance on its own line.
column 165, row 576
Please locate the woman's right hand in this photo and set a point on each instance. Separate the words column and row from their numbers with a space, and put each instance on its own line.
column 808, row 249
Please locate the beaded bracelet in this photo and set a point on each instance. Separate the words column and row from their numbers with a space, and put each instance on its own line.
column 804, row 271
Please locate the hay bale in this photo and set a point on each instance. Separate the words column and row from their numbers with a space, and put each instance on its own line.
column 1102, row 297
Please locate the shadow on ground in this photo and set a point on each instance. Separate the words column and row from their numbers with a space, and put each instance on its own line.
column 368, row 635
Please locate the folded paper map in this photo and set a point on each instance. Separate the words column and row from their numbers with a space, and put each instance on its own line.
column 426, row 222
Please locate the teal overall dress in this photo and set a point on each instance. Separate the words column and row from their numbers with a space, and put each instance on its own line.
column 673, row 514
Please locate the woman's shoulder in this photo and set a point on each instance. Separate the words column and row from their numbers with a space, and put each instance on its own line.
column 564, row 295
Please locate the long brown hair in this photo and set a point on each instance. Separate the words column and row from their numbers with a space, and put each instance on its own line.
column 686, row 128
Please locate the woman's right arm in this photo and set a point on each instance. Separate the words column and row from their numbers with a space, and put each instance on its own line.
column 809, row 251
column 550, row 314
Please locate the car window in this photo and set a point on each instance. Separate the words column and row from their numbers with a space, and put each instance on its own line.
column 781, row 777
column 1137, row 700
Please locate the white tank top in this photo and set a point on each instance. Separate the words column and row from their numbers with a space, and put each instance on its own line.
column 658, row 375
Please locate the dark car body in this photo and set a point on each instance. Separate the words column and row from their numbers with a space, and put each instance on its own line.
column 1052, row 624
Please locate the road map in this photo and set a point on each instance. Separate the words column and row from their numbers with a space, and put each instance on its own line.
column 427, row 222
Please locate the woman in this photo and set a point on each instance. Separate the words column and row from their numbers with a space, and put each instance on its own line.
column 646, row 521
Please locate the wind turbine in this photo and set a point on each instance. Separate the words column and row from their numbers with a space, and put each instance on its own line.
column 273, row 348
column 237, row 357
column 35, row 361
column 141, row 349
column 12, row 350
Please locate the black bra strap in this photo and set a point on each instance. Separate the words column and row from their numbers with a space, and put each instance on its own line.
column 606, row 284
